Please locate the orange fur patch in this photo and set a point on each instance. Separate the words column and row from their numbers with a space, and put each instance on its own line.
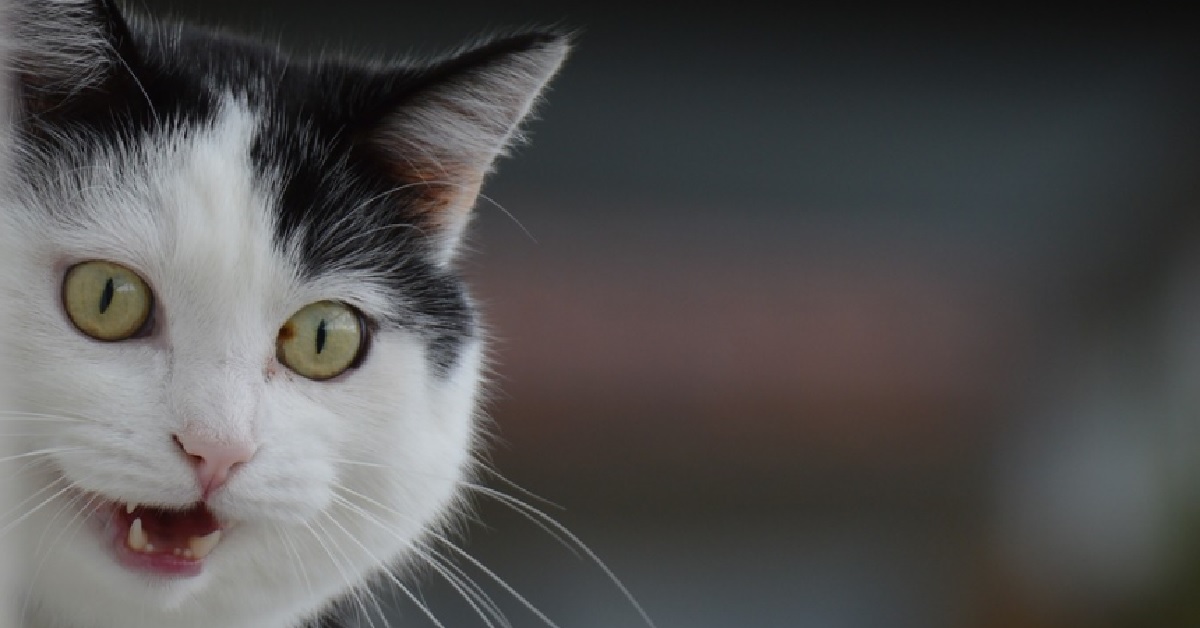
column 447, row 192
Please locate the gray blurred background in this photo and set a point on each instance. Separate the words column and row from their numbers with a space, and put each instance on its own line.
column 832, row 318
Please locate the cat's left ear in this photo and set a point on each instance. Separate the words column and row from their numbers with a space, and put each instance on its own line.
column 463, row 114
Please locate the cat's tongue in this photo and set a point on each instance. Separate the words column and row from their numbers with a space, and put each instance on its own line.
column 166, row 542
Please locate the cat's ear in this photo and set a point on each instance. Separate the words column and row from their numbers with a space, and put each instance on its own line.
column 66, row 51
column 445, row 134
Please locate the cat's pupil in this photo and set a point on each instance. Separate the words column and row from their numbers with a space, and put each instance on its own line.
column 321, row 337
column 106, row 297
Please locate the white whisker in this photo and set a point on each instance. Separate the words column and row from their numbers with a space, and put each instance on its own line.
column 32, row 497
column 12, row 415
column 297, row 562
column 356, row 463
column 80, row 518
column 498, row 580
column 493, row 472
column 353, row 589
column 560, row 538
column 44, row 452
column 5, row 530
column 454, row 582
column 387, row 572
column 517, row 504
column 51, row 412
column 466, row 579
column 461, row 552
column 510, row 215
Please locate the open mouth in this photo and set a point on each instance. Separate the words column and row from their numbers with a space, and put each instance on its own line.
column 163, row 542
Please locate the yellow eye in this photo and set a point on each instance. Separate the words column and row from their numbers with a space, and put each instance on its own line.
column 322, row 340
column 106, row 301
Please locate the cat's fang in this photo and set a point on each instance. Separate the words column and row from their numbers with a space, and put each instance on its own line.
column 137, row 540
column 130, row 507
column 201, row 547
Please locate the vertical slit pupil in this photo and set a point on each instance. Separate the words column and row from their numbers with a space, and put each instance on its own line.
column 321, row 337
column 106, row 297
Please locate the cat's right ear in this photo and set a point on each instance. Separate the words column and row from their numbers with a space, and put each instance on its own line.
column 66, row 52
column 453, row 119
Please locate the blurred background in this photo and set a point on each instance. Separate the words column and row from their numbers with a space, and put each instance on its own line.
column 833, row 318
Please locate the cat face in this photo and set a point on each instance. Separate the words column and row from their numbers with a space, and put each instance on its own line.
column 247, row 370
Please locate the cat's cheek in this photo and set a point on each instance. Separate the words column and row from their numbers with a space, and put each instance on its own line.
column 397, row 407
column 442, row 440
column 409, row 431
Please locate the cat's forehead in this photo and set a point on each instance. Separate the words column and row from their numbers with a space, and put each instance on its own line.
column 191, row 210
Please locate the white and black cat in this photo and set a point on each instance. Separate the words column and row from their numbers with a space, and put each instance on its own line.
column 245, row 370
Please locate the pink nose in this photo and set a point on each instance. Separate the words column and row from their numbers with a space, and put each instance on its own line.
column 214, row 461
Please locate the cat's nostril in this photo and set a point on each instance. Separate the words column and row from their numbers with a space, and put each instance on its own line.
column 213, row 461
column 193, row 458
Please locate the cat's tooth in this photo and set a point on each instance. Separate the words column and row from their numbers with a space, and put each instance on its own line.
column 137, row 540
column 130, row 507
column 202, row 546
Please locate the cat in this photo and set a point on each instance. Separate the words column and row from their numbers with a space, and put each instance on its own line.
column 245, row 371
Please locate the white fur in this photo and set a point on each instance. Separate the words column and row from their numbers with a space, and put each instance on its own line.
column 187, row 215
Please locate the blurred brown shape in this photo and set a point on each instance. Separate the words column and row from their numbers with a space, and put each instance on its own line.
column 762, row 368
